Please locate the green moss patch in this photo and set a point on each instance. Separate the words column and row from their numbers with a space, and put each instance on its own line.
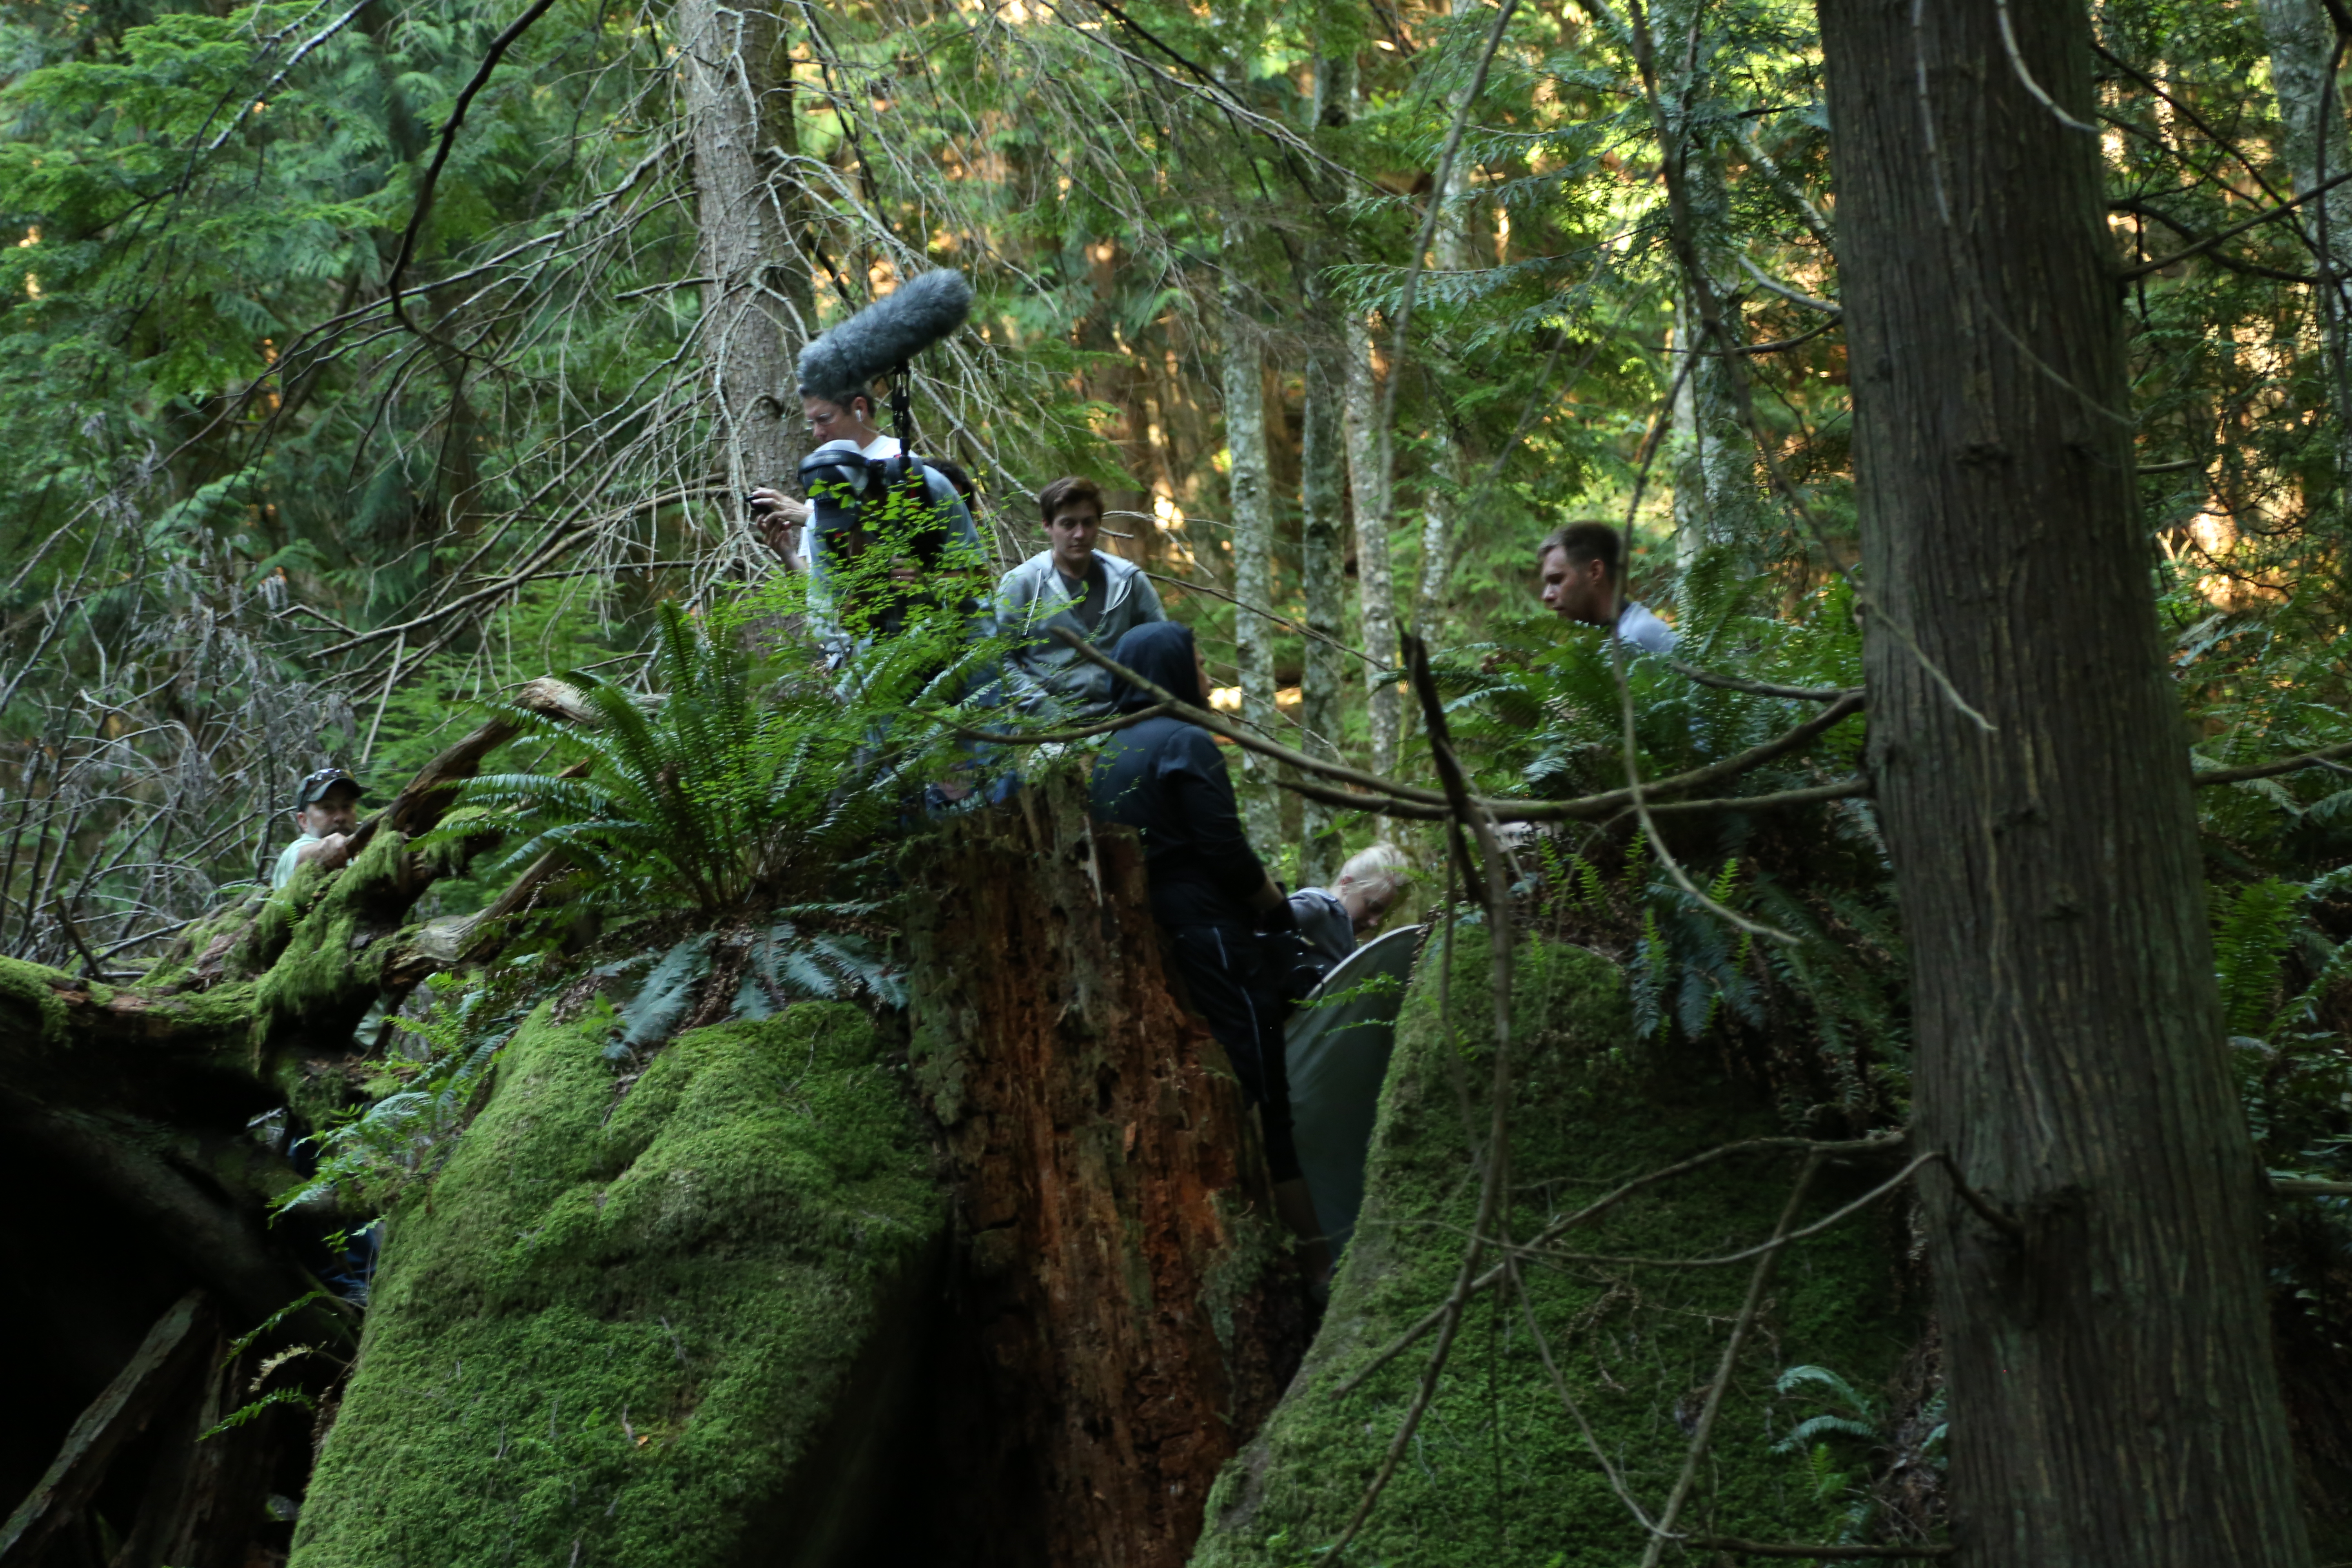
column 326, row 960
column 625, row 1329
column 1499, row 1472
column 30, row 991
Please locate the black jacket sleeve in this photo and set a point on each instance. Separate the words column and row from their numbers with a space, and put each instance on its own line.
column 1201, row 792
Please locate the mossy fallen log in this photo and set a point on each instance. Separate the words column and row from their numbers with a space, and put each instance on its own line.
column 665, row 1326
column 1497, row 1471
column 128, row 1105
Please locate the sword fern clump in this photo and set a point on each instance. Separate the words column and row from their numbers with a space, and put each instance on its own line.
column 720, row 786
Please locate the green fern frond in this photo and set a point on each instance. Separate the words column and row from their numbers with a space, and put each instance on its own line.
column 2252, row 926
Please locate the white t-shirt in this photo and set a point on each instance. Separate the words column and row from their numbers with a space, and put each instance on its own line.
column 1644, row 630
column 289, row 860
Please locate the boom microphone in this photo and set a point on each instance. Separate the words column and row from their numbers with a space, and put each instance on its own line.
column 845, row 361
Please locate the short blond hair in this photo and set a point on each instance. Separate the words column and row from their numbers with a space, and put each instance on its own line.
column 1381, row 865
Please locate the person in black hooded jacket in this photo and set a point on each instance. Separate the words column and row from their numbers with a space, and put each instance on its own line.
column 1210, row 893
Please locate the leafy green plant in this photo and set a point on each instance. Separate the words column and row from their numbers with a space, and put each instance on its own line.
column 1856, row 1417
column 377, row 1151
column 698, row 795
column 2254, row 925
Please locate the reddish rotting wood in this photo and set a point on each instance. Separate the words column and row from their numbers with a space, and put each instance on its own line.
column 1132, row 1290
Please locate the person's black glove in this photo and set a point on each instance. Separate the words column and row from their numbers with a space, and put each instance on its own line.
column 1280, row 919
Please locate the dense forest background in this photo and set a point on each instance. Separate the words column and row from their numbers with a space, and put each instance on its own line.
column 359, row 365
column 365, row 364
column 271, row 510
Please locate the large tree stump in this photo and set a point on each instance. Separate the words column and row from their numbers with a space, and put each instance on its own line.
column 1134, row 1294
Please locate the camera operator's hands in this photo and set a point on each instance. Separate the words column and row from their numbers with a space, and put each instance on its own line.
column 776, row 515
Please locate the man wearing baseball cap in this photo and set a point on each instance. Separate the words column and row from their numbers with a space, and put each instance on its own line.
column 326, row 809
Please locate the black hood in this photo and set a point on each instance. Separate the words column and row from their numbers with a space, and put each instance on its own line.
column 1159, row 651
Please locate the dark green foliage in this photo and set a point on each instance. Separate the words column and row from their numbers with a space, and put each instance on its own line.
column 1544, row 715
column 720, row 786
column 427, row 1083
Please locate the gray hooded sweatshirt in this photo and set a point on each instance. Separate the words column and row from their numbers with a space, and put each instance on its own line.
column 1032, row 597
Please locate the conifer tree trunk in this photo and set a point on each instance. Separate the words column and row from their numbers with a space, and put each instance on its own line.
column 1138, row 1312
column 1441, row 490
column 1252, row 509
column 1322, row 486
column 1368, row 488
column 2311, row 110
column 2113, row 1401
column 758, row 306
column 1323, row 471
column 1714, row 465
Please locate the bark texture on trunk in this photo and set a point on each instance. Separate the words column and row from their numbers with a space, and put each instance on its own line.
column 1252, row 495
column 1126, row 1275
column 1369, row 488
column 1441, row 488
column 1716, row 493
column 1323, row 466
column 2113, row 1399
column 758, row 305
column 1322, row 540
column 2301, row 38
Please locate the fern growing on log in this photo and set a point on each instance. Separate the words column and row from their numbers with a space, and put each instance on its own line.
column 698, row 796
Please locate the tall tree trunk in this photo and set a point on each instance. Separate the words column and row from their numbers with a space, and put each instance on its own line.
column 2112, row 1394
column 2311, row 110
column 1368, row 488
column 1251, row 494
column 1715, row 484
column 1322, row 537
column 739, row 94
column 1322, row 485
column 1441, row 491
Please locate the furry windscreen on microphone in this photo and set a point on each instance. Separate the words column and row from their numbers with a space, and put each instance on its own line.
column 845, row 361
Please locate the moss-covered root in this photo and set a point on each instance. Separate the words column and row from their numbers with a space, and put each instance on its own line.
column 325, row 946
column 634, row 1334
column 1498, row 1473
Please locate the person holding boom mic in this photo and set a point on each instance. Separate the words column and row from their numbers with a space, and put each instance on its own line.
column 885, row 528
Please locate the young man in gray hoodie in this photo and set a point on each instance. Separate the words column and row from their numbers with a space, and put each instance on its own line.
column 1071, row 583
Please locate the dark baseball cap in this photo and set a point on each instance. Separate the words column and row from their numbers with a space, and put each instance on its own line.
column 314, row 789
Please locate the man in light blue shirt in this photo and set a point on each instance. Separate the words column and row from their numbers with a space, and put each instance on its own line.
column 1582, row 565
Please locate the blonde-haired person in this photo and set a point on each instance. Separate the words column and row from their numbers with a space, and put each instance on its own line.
column 1333, row 920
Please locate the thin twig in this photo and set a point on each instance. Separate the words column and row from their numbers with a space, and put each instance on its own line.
column 1282, row 621
column 1495, row 901
column 2268, row 214
column 1050, row 737
column 1739, row 1548
column 2320, row 758
column 1575, row 1412
column 2311, row 1189
column 1761, row 688
column 1599, row 1206
column 1705, row 1432
column 91, row 968
column 2017, row 63
column 1763, row 1248
column 1501, row 811
column 499, row 46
